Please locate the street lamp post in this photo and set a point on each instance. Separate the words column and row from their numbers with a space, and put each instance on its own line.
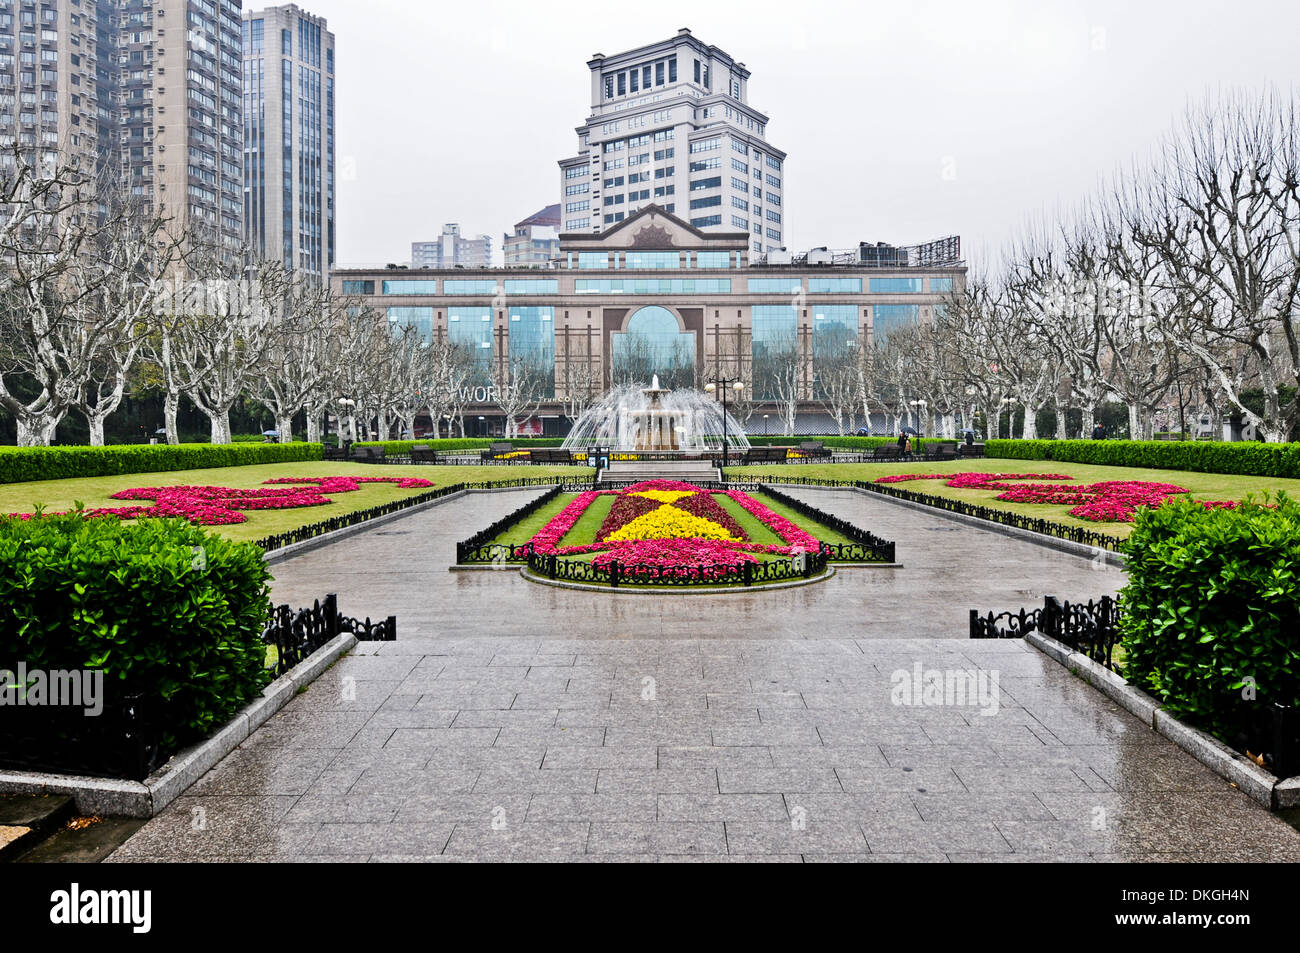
column 721, row 384
column 345, row 409
column 918, row 408
column 765, row 425
column 1010, row 403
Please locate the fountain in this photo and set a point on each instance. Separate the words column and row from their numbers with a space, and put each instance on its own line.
column 636, row 418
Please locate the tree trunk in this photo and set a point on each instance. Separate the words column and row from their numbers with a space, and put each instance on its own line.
column 171, row 406
column 1029, row 428
column 313, row 426
column 1134, row 420
column 1062, row 411
column 285, row 426
column 37, row 431
column 96, row 424
column 220, row 427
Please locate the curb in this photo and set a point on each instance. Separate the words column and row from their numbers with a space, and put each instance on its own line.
column 1272, row 792
column 147, row 798
column 685, row 590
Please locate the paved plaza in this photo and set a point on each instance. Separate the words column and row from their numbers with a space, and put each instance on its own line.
column 523, row 722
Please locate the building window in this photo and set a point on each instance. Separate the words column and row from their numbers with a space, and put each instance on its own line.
column 411, row 287
column 653, row 259
column 713, row 259
column 532, row 346
column 593, row 259
column 654, row 343
column 469, row 286
column 887, row 317
column 421, row 319
column 356, row 287
column 940, row 285
column 707, row 221
column 699, row 185
column 896, row 286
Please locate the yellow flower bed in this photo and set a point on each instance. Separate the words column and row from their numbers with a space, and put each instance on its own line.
column 668, row 522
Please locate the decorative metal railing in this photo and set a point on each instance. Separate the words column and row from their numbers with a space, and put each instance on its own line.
column 616, row 574
column 1267, row 731
column 1075, row 534
column 125, row 740
column 296, row 635
column 1091, row 628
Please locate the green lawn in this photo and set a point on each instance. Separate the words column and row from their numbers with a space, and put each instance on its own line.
column 1203, row 486
column 57, row 495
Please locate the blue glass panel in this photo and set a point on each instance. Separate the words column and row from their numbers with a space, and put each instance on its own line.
column 836, row 285
column 427, row 286
column 896, row 286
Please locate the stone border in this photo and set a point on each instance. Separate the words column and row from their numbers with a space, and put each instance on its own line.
column 1272, row 792
column 147, row 798
column 683, row 590
column 1081, row 550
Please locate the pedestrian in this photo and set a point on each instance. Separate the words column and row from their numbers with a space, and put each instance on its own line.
column 970, row 437
column 1099, row 432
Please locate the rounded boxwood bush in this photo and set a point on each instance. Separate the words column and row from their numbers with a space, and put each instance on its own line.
column 169, row 611
column 1213, row 600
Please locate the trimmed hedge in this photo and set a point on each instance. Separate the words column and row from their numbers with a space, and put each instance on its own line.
column 459, row 443
column 1247, row 459
column 168, row 611
column 24, row 464
column 1213, row 599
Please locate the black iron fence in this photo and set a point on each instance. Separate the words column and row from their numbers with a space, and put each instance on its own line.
column 312, row 530
column 865, row 546
column 1266, row 731
column 615, row 574
column 1091, row 628
column 479, row 547
column 1075, row 534
column 125, row 739
column 296, row 635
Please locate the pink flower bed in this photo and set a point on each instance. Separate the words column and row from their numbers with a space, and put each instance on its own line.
column 1110, row 501
column 797, row 537
column 222, row 505
column 672, row 557
column 547, row 539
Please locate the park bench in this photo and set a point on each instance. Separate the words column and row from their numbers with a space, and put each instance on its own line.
column 423, row 453
column 970, row 451
column 556, row 455
column 814, row 448
column 368, row 454
column 765, row 455
column 887, row 451
column 335, row 453
column 496, row 450
column 939, row 450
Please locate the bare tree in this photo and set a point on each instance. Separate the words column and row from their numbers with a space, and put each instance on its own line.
column 80, row 264
column 1224, row 214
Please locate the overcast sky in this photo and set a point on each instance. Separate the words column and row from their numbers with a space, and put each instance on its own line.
column 903, row 122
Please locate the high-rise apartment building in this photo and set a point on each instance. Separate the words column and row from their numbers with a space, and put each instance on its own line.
column 49, row 65
column 174, row 87
column 148, row 89
column 671, row 125
column 452, row 249
column 288, row 148
column 535, row 240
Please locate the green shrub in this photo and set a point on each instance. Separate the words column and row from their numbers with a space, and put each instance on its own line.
column 23, row 464
column 167, row 610
column 1249, row 458
column 1213, row 598
column 459, row 443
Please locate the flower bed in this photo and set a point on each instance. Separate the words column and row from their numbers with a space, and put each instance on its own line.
column 1110, row 501
column 223, row 505
column 666, row 525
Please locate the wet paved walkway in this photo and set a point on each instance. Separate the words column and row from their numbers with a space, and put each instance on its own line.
column 949, row 569
column 514, row 721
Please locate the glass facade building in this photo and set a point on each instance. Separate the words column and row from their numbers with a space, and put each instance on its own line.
column 637, row 300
